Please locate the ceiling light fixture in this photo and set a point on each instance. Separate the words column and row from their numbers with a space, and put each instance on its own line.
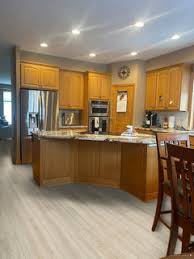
column 139, row 24
column 44, row 45
column 75, row 32
column 175, row 37
column 92, row 55
column 133, row 53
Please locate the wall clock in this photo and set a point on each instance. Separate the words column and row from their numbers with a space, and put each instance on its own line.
column 124, row 72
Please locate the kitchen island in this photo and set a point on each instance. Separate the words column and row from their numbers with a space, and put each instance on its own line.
column 129, row 163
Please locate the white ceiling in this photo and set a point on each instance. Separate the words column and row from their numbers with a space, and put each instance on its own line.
column 106, row 27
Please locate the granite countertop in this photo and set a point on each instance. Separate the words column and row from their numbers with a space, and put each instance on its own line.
column 74, row 127
column 72, row 134
column 190, row 132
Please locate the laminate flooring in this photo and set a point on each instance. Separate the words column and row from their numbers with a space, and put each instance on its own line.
column 72, row 221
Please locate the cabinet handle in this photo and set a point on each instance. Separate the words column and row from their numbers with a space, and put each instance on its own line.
column 171, row 102
column 161, row 98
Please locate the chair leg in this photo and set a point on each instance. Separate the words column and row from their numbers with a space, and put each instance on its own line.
column 185, row 241
column 173, row 239
column 158, row 207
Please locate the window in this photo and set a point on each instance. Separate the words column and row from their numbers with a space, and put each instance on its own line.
column 7, row 109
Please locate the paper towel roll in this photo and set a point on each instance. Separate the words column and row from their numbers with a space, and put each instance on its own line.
column 171, row 122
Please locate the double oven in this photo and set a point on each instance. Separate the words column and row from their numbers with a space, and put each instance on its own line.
column 99, row 116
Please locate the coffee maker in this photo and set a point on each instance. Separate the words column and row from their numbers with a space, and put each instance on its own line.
column 150, row 119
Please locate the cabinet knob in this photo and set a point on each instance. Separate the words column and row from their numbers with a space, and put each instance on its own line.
column 161, row 98
column 171, row 102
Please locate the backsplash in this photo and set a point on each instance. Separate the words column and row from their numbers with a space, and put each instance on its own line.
column 181, row 118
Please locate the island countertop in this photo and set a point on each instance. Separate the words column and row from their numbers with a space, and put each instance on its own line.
column 72, row 134
column 127, row 163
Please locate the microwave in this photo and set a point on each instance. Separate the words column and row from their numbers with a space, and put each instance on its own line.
column 98, row 108
column 69, row 118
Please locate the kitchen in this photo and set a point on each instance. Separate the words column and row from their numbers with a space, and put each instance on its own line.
column 83, row 141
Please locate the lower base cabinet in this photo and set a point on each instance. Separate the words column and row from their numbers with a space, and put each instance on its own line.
column 128, row 166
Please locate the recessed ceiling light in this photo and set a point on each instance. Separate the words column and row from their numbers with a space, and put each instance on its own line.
column 75, row 32
column 139, row 24
column 44, row 44
column 92, row 55
column 133, row 53
column 175, row 37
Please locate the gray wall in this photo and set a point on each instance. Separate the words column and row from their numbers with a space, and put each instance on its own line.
column 5, row 66
column 137, row 77
column 63, row 63
column 185, row 55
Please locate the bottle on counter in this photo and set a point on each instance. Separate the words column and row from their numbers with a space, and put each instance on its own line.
column 165, row 123
column 147, row 121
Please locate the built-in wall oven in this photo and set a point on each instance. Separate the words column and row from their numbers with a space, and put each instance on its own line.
column 98, row 116
column 98, row 108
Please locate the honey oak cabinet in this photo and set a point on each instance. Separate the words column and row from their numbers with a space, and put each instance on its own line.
column 50, row 78
column 151, row 86
column 191, row 138
column 94, row 86
column 105, row 86
column 99, row 86
column 30, row 75
column 39, row 76
column 162, row 89
column 71, row 90
column 168, row 88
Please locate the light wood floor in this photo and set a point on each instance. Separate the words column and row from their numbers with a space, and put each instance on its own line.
column 72, row 221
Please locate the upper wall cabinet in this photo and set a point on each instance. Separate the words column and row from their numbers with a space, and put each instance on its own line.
column 99, row 86
column 162, row 89
column 71, row 90
column 168, row 88
column 50, row 77
column 38, row 76
column 30, row 75
column 151, row 83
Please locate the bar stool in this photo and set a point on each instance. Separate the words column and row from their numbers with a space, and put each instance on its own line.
column 163, row 179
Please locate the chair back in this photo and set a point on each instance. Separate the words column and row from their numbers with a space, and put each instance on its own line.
column 181, row 163
column 162, row 139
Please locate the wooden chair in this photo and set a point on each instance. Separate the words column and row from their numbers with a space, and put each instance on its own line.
column 181, row 168
column 163, row 181
column 181, row 256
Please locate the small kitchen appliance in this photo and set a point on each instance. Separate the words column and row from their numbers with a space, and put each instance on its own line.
column 69, row 118
column 150, row 119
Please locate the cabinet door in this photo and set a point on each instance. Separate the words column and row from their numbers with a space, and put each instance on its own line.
column 30, row 75
column 151, row 86
column 77, row 90
column 175, row 78
column 105, row 87
column 109, row 164
column 162, row 89
column 94, row 86
column 119, row 120
column 50, row 78
column 88, row 160
column 65, row 89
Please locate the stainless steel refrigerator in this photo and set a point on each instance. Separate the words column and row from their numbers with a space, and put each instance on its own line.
column 39, row 111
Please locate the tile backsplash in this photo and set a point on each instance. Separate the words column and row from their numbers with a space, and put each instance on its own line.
column 181, row 118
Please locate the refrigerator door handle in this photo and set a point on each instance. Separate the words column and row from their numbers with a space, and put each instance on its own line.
column 40, row 112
